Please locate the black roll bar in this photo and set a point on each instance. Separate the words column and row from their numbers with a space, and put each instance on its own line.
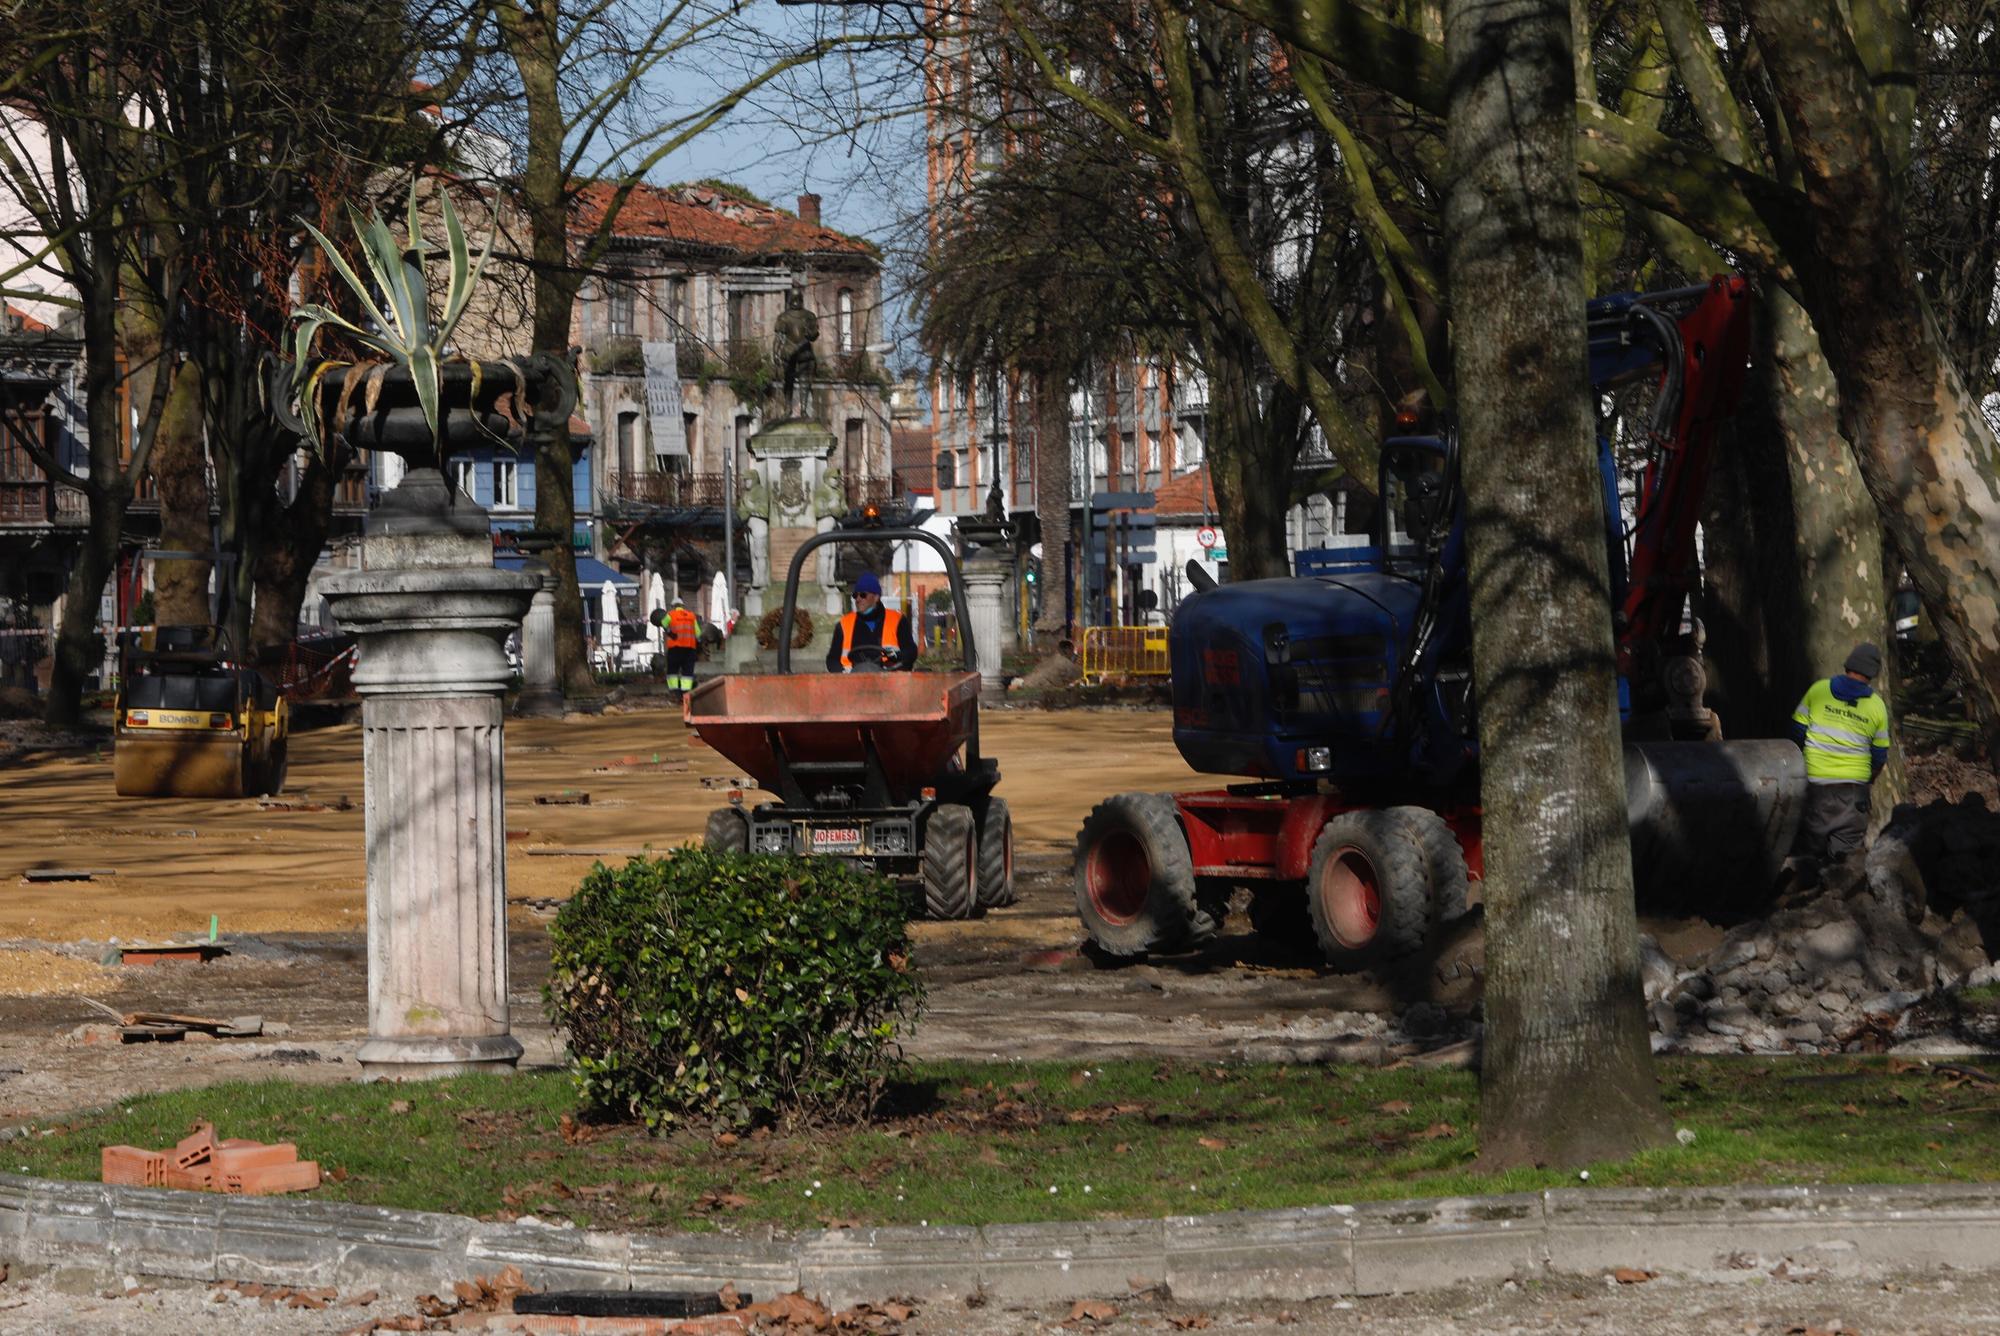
column 951, row 571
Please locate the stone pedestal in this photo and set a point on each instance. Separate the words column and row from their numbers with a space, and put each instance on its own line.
column 432, row 619
column 541, row 689
column 986, row 602
column 789, row 494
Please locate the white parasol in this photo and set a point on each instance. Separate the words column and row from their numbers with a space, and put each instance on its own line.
column 609, row 634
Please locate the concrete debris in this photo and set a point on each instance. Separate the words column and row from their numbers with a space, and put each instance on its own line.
column 1845, row 966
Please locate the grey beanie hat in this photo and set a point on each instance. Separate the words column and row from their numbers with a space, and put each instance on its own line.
column 1866, row 660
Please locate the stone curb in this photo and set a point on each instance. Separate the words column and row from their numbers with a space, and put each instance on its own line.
column 1303, row 1253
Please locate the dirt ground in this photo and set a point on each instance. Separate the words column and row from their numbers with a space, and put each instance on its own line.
column 286, row 887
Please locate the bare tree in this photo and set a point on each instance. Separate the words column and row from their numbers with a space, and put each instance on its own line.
column 591, row 112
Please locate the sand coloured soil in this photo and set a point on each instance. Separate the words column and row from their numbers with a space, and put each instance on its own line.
column 178, row 861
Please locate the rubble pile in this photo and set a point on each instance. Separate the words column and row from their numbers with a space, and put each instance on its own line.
column 1876, row 957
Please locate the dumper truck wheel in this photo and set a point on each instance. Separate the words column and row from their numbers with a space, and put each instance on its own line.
column 996, row 856
column 951, row 863
column 1444, row 860
column 1368, row 889
column 1135, row 887
column 727, row 832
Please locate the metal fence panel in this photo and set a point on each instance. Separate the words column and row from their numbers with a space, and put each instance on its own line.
column 1124, row 651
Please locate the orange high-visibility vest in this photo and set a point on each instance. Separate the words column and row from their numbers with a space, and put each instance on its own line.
column 891, row 621
column 683, row 631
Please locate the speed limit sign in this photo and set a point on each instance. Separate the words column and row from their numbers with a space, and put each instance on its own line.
column 1205, row 537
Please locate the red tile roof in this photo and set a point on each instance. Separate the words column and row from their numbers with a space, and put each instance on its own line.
column 1189, row 494
column 712, row 219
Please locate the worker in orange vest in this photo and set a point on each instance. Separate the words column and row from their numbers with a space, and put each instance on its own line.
column 872, row 633
column 683, row 645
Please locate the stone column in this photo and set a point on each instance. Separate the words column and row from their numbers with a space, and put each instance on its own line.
column 432, row 622
column 985, row 597
column 541, row 691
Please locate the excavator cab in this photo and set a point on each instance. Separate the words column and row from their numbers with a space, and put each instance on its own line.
column 191, row 722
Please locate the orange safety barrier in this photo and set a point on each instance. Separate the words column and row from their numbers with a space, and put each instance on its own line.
column 1124, row 651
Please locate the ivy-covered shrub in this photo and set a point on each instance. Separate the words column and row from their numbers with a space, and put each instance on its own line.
column 705, row 987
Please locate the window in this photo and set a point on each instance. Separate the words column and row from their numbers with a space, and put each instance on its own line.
column 691, row 431
column 1128, row 459
column 742, row 316
column 853, row 461
column 677, row 304
column 506, row 484
column 947, row 473
column 628, row 444
column 845, row 306
column 464, row 475
column 621, row 299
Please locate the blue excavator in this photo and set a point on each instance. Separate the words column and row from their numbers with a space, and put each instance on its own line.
column 1343, row 697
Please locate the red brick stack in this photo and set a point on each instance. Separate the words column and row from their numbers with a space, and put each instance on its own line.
column 200, row 1163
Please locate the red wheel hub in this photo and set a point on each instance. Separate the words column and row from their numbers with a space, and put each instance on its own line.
column 1117, row 874
column 1350, row 897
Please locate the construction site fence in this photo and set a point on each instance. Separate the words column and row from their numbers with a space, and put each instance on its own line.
column 1124, row 651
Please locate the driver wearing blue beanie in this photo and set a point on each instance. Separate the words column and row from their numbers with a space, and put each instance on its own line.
column 864, row 633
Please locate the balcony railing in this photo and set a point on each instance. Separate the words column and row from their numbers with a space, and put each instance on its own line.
column 679, row 491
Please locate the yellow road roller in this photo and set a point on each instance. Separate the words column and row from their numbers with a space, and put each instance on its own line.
column 193, row 723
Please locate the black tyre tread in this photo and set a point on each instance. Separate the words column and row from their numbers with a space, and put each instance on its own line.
column 1445, row 860
column 996, row 881
column 1171, row 918
column 950, row 866
column 727, row 831
column 1393, row 846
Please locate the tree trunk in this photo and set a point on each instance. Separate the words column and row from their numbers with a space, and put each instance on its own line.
column 530, row 31
column 1052, row 488
column 180, row 471
column 287, row 546
column 1927, row 454
column 1813, row 557
column 1250, row 459
column 76, row 638
column 1567, row 1072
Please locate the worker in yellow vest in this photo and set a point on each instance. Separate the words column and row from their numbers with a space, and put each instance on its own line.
column 1843, row 727
column 683, row 646
column 871, row 633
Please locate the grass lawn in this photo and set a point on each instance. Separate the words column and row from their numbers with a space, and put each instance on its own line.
column 972, row 1143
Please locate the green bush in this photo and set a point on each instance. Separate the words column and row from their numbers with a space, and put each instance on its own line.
column 730, row 987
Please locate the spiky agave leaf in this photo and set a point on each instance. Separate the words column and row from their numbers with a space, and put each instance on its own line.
column 407, row 309
column 352, row 279
column 464, row 276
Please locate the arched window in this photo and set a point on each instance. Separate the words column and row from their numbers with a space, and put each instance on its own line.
column 845, row 306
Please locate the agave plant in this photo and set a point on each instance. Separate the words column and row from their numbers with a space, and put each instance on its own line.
column 405, row 331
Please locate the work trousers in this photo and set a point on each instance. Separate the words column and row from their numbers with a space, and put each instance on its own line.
column 1836, row 820
column 680, row 668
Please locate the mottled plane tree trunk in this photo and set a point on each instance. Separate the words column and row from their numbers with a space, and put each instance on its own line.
column 1567, row 1075
column 1053, row 481
column 1928, row 456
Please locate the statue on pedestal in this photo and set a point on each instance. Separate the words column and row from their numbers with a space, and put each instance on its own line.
column 754, row 509
column 794, row 335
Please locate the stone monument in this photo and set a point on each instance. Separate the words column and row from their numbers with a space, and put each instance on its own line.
column 986, row 557
column 789, row 493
